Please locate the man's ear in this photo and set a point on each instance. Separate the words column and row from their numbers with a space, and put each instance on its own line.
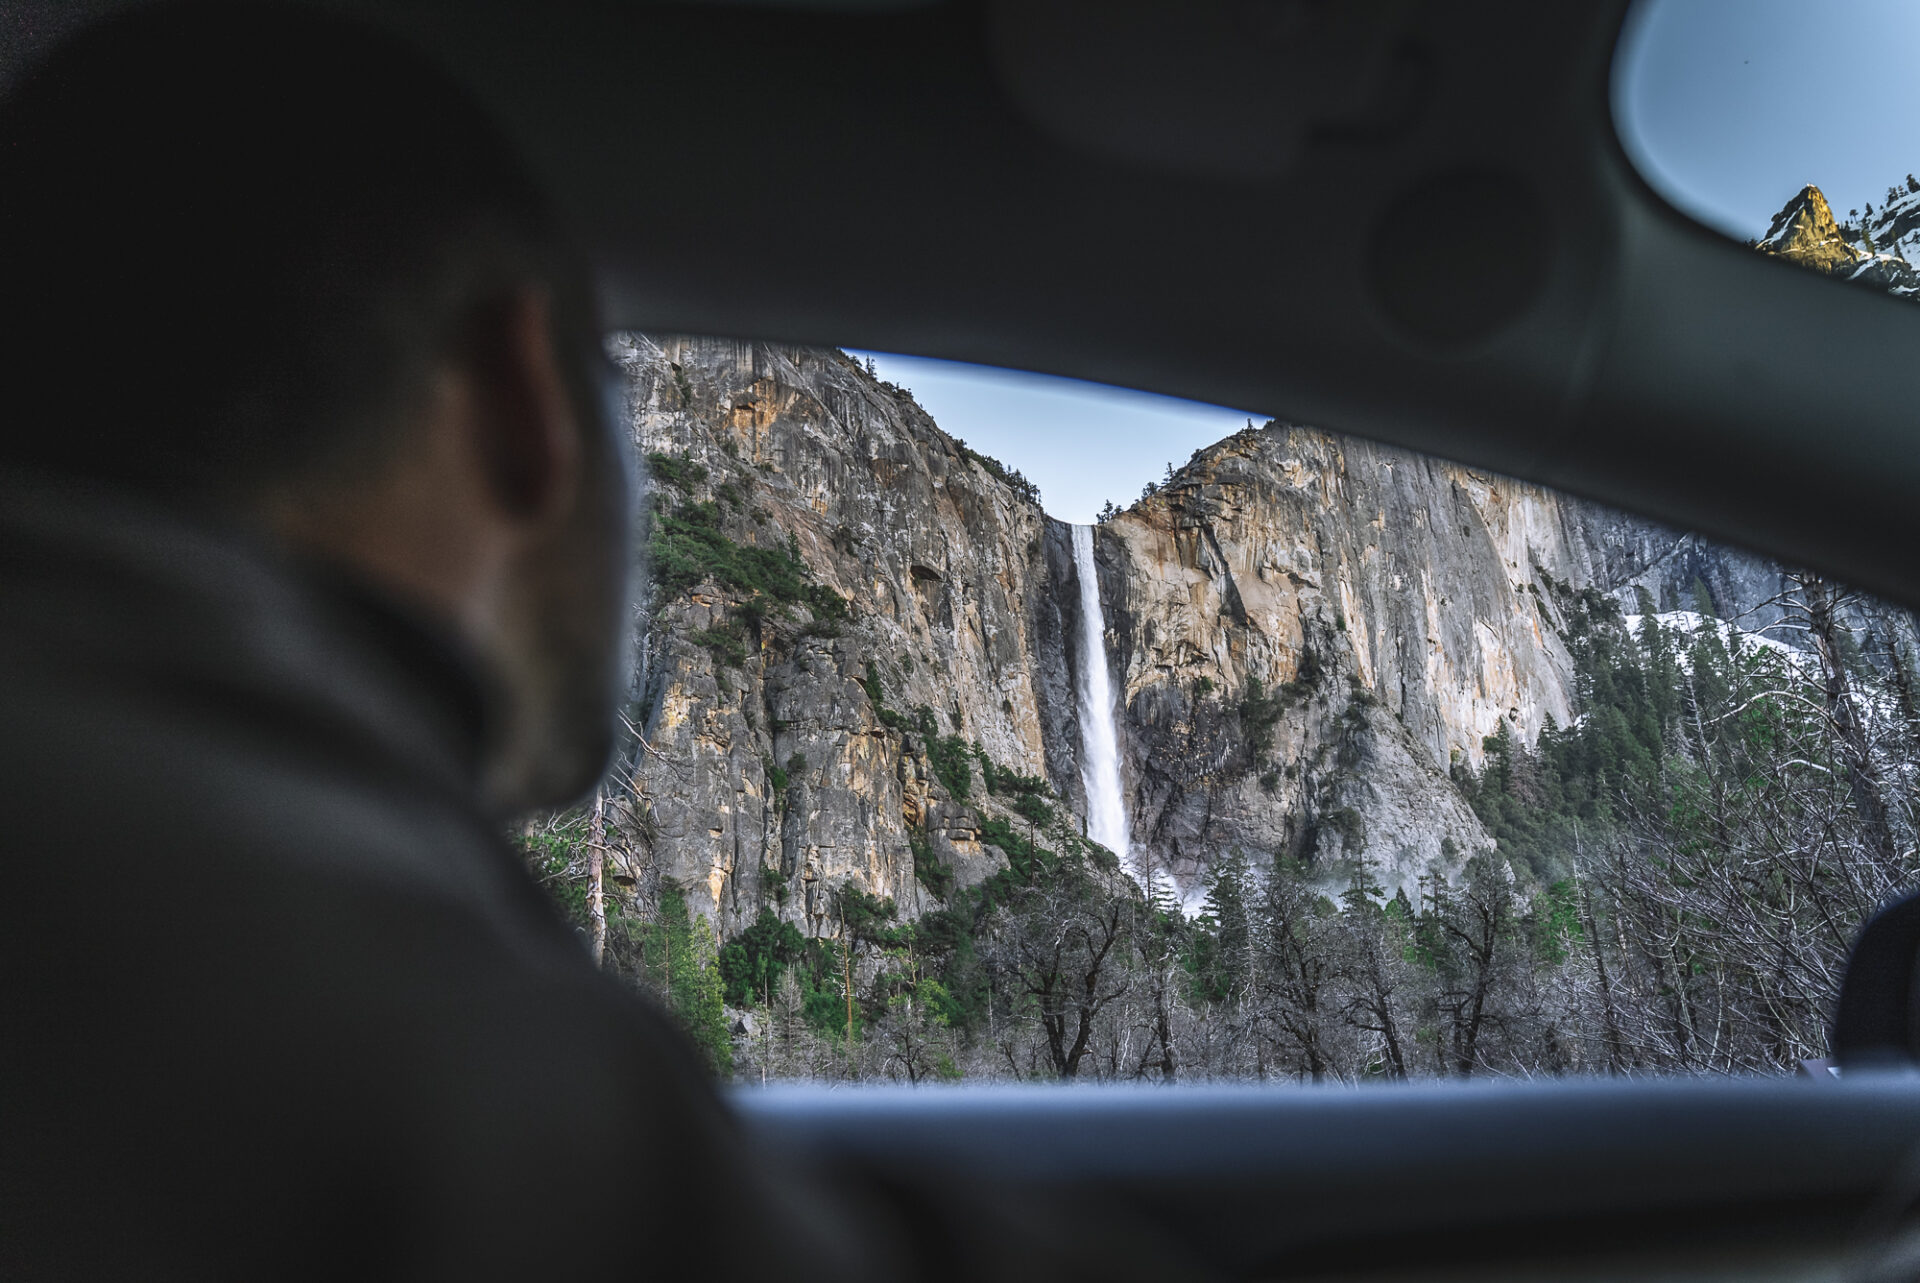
column 528, row 434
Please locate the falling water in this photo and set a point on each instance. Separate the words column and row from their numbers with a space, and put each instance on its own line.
column 1099, row 744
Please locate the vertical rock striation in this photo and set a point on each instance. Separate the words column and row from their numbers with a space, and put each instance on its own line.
column 767, row 774
column 1308, row 635
column 1313, row 632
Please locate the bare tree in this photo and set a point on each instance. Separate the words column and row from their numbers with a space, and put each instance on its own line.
column 1064, row 943
column 1299, row 973
column 1375, row 968
column 1471, row 933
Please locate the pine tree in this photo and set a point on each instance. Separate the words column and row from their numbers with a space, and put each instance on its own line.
column 682, row 958
column 1227, row 927
column 1703, row 599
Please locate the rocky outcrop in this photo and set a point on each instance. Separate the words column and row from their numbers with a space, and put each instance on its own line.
column 1806, row 232
column 1872, row 248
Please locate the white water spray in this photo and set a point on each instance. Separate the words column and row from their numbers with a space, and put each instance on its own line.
column 1099, row 742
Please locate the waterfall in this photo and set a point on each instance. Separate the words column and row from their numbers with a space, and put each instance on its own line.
column 1099, row 742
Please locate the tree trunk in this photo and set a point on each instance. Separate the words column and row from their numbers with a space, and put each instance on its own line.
column 1163, row 1029
column 596, row 878
column 846, row 977
column 1611, row 1017
column 1390, row 1029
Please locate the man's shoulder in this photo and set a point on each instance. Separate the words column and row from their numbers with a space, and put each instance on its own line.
column 205, row 858
column 249, row 976
column 129, row 779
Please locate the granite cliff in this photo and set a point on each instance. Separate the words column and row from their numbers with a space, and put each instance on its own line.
column 788, row 747
column 858, row 653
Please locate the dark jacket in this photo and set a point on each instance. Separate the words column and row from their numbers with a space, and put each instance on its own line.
column 275, row 999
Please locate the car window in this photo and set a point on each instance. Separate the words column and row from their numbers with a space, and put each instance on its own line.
column 1784, row 130
column 1307, row 759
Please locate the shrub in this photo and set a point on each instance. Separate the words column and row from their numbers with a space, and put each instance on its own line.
column 682, row 473
column 1024, row 859
column 936, row 877
column 986, row 765
column 753, row 612
column 1001, row 780
column 1034, row 811
column 1259, row 712
column 724, row 643
column 865, row 916
column 688, row 547
column 1306, row 673
column 752, row 964
column 827, row 605
column 877, row 697
column 1350, row 825
column 1099, row 854
column 948, row 755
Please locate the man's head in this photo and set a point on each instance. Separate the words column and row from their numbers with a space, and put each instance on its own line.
column 273, row 266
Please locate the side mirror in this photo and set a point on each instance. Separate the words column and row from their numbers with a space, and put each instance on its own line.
column 1877, row 1022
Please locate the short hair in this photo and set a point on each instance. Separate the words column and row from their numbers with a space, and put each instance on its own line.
column 235, row 238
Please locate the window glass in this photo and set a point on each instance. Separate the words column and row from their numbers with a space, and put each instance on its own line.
column 1302, row 758
column 1782, row 124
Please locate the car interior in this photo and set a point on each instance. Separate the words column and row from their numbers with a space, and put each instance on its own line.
column 1407, row 220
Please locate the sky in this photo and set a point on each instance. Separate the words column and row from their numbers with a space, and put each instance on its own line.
column 1082, row 443
column 1728, row 107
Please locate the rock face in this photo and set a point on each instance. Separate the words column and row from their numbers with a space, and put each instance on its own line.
column 769, row 775
column 1318, row 631
column 1872, row 247
column 1310, row 635
column 1313, row 631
